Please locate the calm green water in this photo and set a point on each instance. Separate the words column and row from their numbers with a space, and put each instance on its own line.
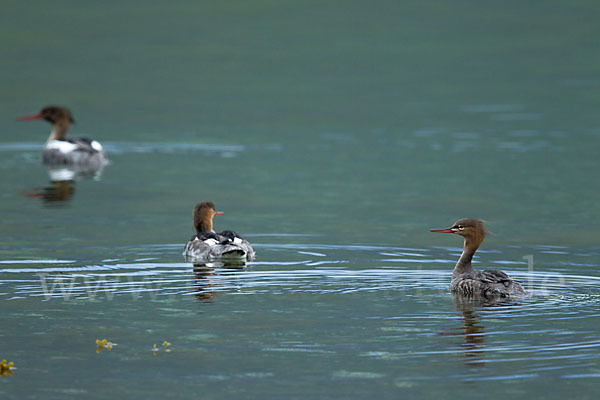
column 333, row 135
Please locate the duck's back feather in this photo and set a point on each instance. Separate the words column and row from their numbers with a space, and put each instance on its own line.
column 487, row 284
column 223, row 245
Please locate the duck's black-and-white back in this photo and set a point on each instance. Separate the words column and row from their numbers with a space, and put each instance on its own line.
column 487, row 284
column 219, row 246
column 80, row 152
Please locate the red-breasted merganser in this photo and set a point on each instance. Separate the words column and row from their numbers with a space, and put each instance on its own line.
column 206, row 244
column 59, row 150
column 490, row 283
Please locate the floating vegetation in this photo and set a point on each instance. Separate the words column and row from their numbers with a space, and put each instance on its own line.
column 6, row 368
column 165, row 344
column 104, row 344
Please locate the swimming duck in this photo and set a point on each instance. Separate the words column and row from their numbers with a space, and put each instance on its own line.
column 58, row 150
column 206, row 244
column 466, row 281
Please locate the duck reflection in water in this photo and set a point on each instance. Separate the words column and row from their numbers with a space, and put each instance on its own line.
column 205, row 275
column 473, row 331
column 62, row 183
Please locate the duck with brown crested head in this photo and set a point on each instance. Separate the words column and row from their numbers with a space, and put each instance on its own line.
column 208, row 245
column 58, row 150
column 487, row 284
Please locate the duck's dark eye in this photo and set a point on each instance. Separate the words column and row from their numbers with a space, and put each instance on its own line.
column 460, row 227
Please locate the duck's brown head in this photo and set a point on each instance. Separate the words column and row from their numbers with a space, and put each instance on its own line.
column 52, row 114
column 59, row 117
column 203, row 216
column 471, row 229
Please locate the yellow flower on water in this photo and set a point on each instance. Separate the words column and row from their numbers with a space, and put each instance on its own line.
column 6, row 368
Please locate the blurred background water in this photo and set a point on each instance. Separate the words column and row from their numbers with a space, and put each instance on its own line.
column 333, row 135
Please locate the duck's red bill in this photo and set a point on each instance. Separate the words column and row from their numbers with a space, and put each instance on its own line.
column 217, row 213
column 30, row 117
column 442, row 230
